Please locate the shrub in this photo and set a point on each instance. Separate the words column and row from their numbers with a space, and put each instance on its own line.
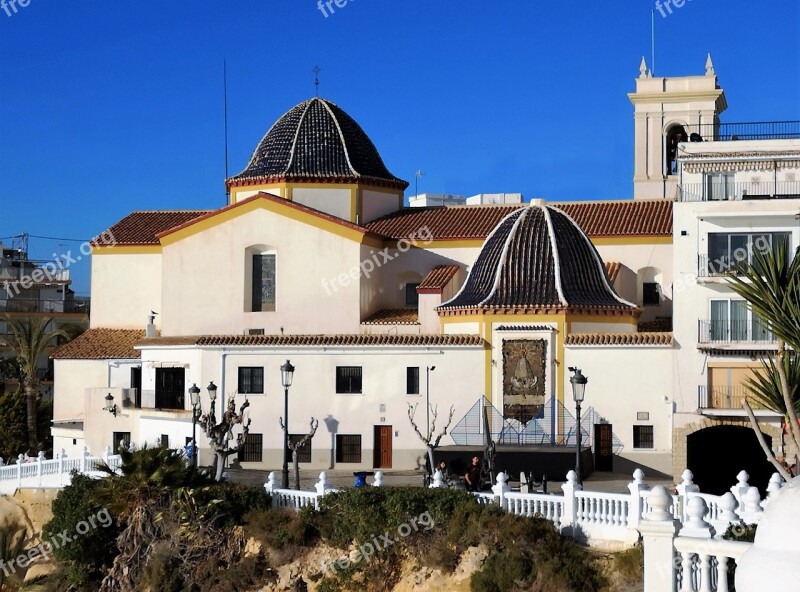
column 12, row 544
column 277, row 528
column 87, row 554
column 741, row 532
column 629, row 564
column 226, row 504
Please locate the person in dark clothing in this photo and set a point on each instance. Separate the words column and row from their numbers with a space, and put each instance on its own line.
column 473, row 475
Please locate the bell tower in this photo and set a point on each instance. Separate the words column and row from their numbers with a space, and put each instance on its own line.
column 666, row 112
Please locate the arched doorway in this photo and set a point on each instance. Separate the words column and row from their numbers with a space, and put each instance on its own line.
column 715, row 455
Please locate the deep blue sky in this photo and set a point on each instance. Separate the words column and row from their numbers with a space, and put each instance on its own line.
column 110, row 106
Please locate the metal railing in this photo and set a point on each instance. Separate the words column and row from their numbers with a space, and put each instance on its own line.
column 753, row 130
column 745, row 190
column 734, row 332
column 43, row 275
column 37, row 305
column 724, row 397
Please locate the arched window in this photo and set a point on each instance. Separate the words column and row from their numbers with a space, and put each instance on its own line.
column 675, row 135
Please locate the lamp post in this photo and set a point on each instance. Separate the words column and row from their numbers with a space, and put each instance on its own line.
column 287, row 374
column 212, row 396
column 194, row 395
column 578, row 381
column 428, row 371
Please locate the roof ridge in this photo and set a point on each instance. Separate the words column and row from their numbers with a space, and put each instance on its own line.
column 344, row 141
column 296, row 135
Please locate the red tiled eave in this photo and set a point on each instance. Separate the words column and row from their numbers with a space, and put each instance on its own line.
column 594, row 339
column 437, row 279
column 344, row 340
column 102, row 344
column 393, row 316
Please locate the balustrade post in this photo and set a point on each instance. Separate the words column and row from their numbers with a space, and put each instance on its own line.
column 658, row 529
column 740, row 489
column 20, row 461
column 269, row 486
column 773, row 489
column 695, row 525
column 752, row 511
column 39, row 462
column 501, row 488
column 85, row 460
column 61, row 458
column 378, row 482
column 569, row 518
column 636, row 487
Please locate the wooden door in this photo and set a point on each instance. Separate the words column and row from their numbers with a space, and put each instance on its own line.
column 603, row 447
column 383, row 447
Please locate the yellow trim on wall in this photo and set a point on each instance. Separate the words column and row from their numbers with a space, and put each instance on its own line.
column 631, row 240
column 355, row 210
column 128, row 250
column 283, row 188
column 270, row 206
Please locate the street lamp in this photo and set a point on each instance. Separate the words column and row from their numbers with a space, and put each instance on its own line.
column 194, row 395
column 578, row 381
column 110, row 406
column 287, row 374
column 428, row 371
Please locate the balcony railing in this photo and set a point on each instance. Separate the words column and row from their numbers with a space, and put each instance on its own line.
column 756, row 130
column 723, row 191
column 724, row 397
column 169, row 400
column 716, row 267
column 734, row 332
column 33, row 305
column 44, row 275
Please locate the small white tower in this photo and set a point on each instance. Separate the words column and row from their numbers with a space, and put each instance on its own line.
column 668, row 111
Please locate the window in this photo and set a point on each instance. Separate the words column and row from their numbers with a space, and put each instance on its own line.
column 348, row 448
column 412, row 298
column 121, row 439
column 650, row 294
column 170, row 388
column 412, row 380
column 251, row 381
column 164, row 441
column 263, row 283
column 348, row 379
column 304, row 452
column 136, row 385
column 732, row 320
column 726, row 250
column 643, row 436
column 253, row 448
column 720, row 186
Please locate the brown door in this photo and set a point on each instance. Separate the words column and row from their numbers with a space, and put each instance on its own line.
column 603, row 447
column 383, row 447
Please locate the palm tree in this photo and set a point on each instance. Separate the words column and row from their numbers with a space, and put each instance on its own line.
column 29, row 339
column 771, row 286
column 765, row 384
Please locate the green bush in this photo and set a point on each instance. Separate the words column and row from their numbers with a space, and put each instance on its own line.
column 86, row 555
column 226, row 504
column 12, row 545
column 14, row 427
column 629, row 564
column 277, row 528
column 502, row 572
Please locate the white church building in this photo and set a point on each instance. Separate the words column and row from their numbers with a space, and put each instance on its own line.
column 476, row 307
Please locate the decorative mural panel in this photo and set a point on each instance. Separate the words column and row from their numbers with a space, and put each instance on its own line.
column 524, row 367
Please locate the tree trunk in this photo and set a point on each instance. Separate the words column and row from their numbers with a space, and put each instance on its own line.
column 794, row 428
column 763, row 443
column 30, row 397
column 220, row 466
column 296, row 462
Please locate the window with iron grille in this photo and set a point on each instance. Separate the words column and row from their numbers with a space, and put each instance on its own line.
column 304, row 452
column 253, row 448
column 263, row 283
column 251, row 380
column 412, row 380
column 348, row 379
column 170, row 388
column 348, row 448
column 643, row 436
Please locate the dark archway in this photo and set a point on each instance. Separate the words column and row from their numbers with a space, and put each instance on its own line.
column 715, row 456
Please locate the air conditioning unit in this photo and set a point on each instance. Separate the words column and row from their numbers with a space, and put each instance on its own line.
column 254, row 332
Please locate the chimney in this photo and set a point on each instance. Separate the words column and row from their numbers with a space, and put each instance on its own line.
column 150, row 328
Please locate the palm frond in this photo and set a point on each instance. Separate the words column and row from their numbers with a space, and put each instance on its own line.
column 765, row 384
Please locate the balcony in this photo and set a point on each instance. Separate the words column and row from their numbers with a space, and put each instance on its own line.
column 43, row 275
column 755, row 130
column 38, row 305
column 724, row 191
column 735, row 334
column 727, row 400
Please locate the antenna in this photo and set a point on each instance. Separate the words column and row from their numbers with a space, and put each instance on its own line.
column 653, row 41
column 417, row 175
column 316, row 72
column 225, row 91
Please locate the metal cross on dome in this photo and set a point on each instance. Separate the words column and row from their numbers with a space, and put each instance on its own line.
column 316, row 72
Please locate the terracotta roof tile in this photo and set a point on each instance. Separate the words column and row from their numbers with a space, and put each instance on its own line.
column 619, row 339
column 596, row 218
column 612, row 269
column 349, row 340
column 437, row 279
column 393, row 316
column 102, row 344
column 141, row 227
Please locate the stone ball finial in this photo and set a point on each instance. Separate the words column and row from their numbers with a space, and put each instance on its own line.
column 659, row 501
column 638, row 476
column 687, row 477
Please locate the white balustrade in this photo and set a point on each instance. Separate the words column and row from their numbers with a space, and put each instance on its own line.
column 550, row 507
column 702, row 564
column 607, row 509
